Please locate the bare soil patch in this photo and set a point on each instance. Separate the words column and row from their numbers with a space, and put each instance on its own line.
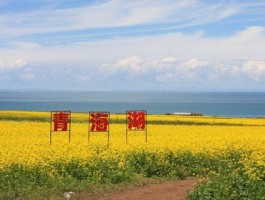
column 176, row 190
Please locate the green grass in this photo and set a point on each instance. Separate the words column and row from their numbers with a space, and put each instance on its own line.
column 225, row 172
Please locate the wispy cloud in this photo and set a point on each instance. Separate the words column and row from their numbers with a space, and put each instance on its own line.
column 118, row 13
column 248, row 44
column 117, row 43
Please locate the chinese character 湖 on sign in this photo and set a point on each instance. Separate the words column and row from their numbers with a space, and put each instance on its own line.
column 99, row 121
column 136, row 120
column 61, row 121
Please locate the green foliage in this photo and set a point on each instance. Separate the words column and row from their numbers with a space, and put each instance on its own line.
column 229, row 182
column 226, row 177
column 234, row 186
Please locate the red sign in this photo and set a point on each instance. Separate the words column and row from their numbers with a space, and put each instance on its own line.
column 61, row 121
column 99, row 121
column 136, row 120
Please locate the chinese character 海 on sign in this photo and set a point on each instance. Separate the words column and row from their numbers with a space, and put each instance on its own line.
column 136, row 120
column 99, row 121
column 61, row 121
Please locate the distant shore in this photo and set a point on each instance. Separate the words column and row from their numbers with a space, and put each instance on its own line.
column 158, row 119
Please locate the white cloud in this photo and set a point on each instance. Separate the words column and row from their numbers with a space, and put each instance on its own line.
column 25, row 45
column 135, row 64
column 132, row 65
column 101, row 38
column 164, row 78
column 249, row 34
column 185, row 46
column 213, row 77
column 115, row 13
column 82, row 78
column 255, row 69
column 162, row 58
column 194, row 70
column 11, row 64
column 236, row 70
column 194, row 63
column 180, row 46
column 169, row 60
column 29, row 76
column 106, row 69
column 107, row 14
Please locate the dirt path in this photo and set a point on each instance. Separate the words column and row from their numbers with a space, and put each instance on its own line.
column 175, row 190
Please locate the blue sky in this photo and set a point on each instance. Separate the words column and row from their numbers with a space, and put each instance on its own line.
column 187, row 45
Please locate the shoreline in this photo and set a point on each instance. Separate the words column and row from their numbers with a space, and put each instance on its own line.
column 152, row 119
column 182, row 114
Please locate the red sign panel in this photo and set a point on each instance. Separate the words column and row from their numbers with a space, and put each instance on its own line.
column 136, row 120
column 99, row 121
column 61, row 121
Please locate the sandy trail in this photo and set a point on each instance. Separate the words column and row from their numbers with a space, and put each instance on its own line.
column 173, row 190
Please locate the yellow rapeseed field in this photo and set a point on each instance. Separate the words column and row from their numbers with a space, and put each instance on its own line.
column 27, row 143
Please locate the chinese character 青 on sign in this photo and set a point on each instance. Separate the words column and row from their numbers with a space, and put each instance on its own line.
column 61, row 121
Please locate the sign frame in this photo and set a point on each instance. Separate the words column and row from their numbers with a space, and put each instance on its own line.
column 135, row 128
column 69, row 120
column 104, row 131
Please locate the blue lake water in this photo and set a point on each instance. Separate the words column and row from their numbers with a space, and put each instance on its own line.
column 207, row 103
